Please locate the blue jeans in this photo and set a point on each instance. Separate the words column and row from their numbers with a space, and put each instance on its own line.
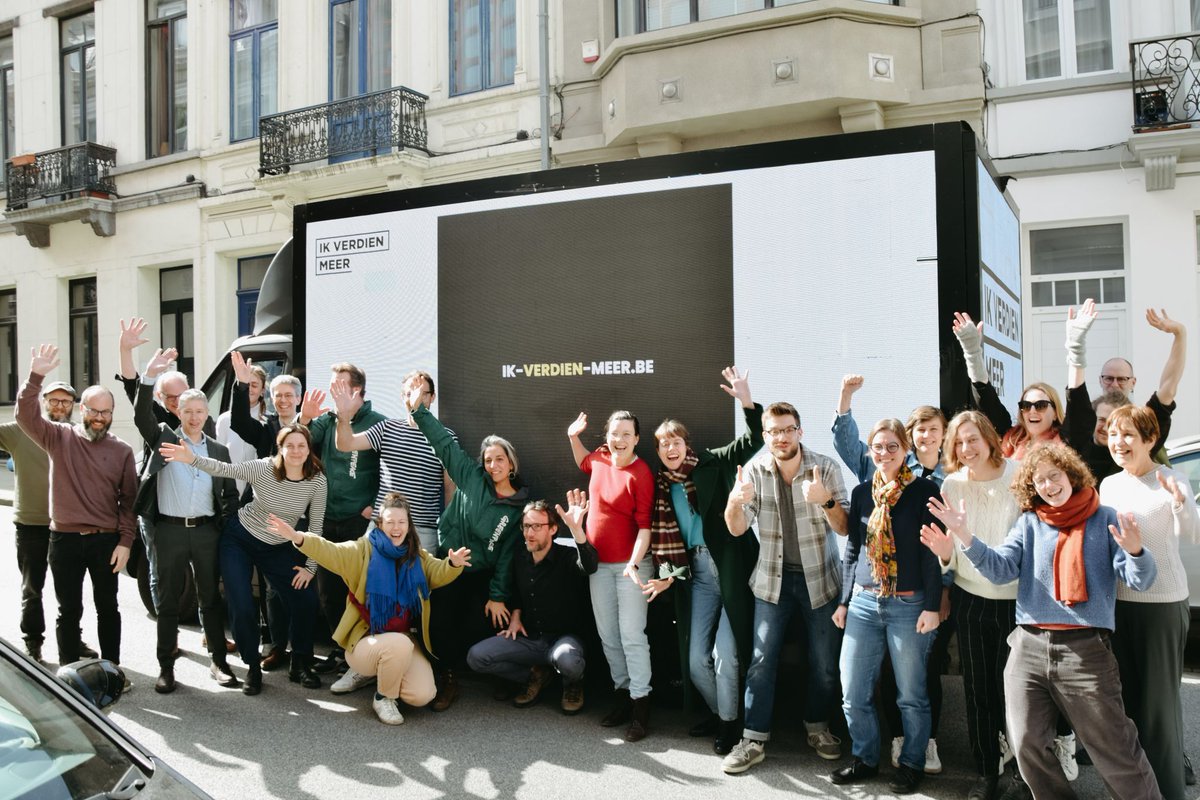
column 512, row 658
column 712, row 651
column 872, row 624
column 824, row 639
column 620, row 610
column 239, row 552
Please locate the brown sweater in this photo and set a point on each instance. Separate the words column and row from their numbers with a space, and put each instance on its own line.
column 93, row 485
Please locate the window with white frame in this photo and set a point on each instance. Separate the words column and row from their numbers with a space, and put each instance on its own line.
column 1069, row 265
column 1066, row 38
column 638, row 16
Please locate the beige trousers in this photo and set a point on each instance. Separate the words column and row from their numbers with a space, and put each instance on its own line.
column 399, row 665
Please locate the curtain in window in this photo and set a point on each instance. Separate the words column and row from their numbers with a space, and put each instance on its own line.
column 502, row 42
column 379, row 45
column 667, row 13
column 1042, row 56
column 1093, row 36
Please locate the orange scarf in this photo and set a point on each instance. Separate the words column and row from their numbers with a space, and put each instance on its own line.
column 1070, row 575
column 881, row 541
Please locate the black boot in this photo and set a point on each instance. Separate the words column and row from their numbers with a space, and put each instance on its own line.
column 301, row 672
column 728, row 734
column 622, row 707
column 639, row 725
column 253, row 684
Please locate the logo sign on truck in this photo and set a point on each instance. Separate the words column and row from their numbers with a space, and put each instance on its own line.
column 334, row 253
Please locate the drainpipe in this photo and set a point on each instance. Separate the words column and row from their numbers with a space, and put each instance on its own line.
column 544, row 77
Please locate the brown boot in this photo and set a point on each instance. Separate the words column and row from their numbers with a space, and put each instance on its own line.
column 640, row 723
column 572, row 698
column 538, row 677
column 447, row 692
column 620, row 711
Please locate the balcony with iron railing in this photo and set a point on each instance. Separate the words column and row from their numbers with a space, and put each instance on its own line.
column 68, row 183
column 357, row 127
column 1166, row 81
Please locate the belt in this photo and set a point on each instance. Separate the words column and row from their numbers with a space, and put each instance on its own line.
column 187, row 522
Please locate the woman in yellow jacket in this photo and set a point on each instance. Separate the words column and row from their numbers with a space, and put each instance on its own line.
column 389, row 577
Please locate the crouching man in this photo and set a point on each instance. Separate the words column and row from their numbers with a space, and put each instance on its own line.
column 546, row 607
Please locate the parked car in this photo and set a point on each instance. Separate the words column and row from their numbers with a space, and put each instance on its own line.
column 55, row 744
column 1185, row 457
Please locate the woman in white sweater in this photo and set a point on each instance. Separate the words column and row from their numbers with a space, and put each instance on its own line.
column 978, row 478
column 1152, row 626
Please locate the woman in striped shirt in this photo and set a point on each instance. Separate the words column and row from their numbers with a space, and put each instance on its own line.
column 290, row 485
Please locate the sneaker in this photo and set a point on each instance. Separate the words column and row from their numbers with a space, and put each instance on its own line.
column 828, row 746
column 1064, row 748
column 906, row 780
column 386, row 710
column 897, row 746
column 351, row 682
column 1006, row 753
column 744, row 755
column 933, row 764
column 572, row 698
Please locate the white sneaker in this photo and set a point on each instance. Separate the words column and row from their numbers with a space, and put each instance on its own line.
column 1006, row 753
column 386, row 710
column 351, row 682
column 933, row 764
column 897, row 746
column 1064, row 748
column 744, row 755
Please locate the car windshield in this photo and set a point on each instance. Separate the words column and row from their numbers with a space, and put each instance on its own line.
column 46, row 749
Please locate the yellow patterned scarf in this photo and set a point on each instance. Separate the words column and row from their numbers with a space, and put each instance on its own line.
column 881, row 543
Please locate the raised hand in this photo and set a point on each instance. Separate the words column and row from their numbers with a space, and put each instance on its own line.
column 241, row 368
column 342, row 395
column 814, row 489
column 966, row 329
column 45, row 359
column 851, row 383
column 1168, row 482
column 739, row 387
column 131, row 333
column 1082, row 320
column 413, row 393
column 312, row 406
column 160, row 361
column 497, row 612
column 460, row 557
column 577, row 508
column 940, row 543
column 176, row 452
column 280, row 528
column 1164, row 323
column 1128, row 535
column 578, row 426
column 955, row 519
column 743, row 487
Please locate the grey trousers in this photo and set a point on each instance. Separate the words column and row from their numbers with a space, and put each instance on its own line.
column 1149, row 643
column 1072, row 671
column 511, row 658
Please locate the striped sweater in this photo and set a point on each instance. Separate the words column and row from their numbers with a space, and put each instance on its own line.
column 287, row 499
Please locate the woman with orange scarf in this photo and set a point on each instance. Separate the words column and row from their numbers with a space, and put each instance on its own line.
column 1066, row 552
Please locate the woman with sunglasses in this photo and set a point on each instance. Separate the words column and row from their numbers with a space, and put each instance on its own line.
column 891, row 595
column 1039, row 411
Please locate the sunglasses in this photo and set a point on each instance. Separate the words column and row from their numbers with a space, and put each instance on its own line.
column 1040, row 405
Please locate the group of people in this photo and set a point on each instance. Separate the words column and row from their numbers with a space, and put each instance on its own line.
column 1050, row 546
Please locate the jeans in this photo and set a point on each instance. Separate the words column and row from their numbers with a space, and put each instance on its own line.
column 71, row 556
column 33, row 548
column 511, row 658
column 874, row 623
column 620, row 610
column 240, row 551
column 428, row 536
column 824, row 639
column 712, row 651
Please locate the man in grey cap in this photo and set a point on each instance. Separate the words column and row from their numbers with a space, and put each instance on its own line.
column 31, row 507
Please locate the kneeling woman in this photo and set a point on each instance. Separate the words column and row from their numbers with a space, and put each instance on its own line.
column 390, row 577
column 1066, row 552
column 891, row 595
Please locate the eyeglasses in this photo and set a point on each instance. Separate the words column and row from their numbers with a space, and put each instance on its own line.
column 97, row 412
column 1048, row 479
column 60, row 403
column 779, row 433
column 1111, row 379
column 890, row 447
column 1040, row 405
column 534, row 526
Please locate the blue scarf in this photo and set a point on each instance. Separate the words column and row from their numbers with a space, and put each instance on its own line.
column 394, row 586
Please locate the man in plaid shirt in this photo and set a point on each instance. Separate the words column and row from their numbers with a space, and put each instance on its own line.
column 798, row 501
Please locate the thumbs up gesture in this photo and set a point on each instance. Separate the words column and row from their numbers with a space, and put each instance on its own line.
column 743, row 487
column 814, row 488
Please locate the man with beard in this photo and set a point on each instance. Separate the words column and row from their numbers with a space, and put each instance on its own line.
column 93, row 485
column 32, row 513
column 546, row 607
column 797, row 498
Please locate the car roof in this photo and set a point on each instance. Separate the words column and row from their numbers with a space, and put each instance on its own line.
column 1183, row 444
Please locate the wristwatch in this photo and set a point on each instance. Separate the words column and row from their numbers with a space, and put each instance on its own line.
column 830, row 503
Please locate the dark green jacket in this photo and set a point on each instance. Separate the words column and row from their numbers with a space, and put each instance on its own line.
column 476, row 517
column 353, row 477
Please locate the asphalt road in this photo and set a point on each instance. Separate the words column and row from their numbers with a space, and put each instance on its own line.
column 294, row 743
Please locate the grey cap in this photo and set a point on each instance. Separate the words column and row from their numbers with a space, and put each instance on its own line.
column 55, row 386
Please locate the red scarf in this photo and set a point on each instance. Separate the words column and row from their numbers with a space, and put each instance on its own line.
column 667, row 547
column 1070, row 574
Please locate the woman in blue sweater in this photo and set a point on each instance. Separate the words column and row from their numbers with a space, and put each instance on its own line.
column 1066, row 552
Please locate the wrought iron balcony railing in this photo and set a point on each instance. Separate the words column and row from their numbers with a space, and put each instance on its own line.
column 77, row 169
column 356, row 127
column 1166, row 81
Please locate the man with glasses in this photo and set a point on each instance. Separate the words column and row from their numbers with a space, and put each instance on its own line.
column 541, row 637
column 797, row 498
column 31, row 515
column 93, row 488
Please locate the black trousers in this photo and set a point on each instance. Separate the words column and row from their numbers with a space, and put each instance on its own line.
column 33, row 549
column 331, row 589
column 71, row 556
column 983, row 629
column 181, row 549
column 457, row 617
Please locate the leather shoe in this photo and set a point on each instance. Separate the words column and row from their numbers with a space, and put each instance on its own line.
column 222, row 673
column 858, row 772
column 301, row 672
column 85, row 651
column 327, row 666
column 253, row 684
column 728, row 734
column 906, row 780
column 275, row 659
column 706, row 727
column 166, row 681
column 539, row 676
column 447, row 692
column 986, row 788
column 621, row 710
